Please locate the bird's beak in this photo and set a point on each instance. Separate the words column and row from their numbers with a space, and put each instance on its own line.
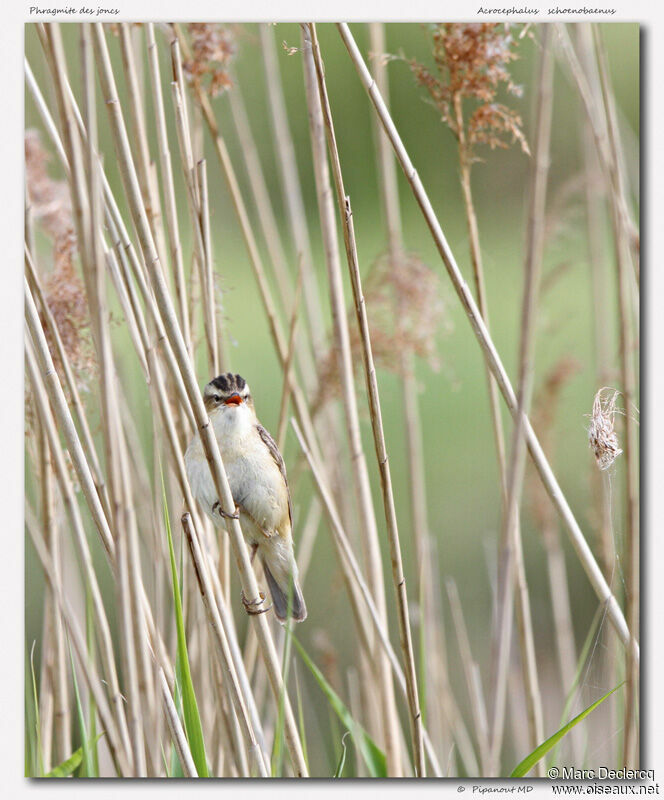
column 233, row 400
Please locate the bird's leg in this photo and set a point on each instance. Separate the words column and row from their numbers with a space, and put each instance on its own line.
column 252, row 606
column 217, row 507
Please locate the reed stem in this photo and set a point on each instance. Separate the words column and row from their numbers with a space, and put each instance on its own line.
column 208, row 439
column 364, row 499
column 490, row 353
column 513, row 566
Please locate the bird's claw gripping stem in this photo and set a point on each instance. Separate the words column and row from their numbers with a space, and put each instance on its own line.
column 217, row 507
column 252, row 606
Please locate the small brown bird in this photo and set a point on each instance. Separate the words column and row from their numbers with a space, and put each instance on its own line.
column 257, row 477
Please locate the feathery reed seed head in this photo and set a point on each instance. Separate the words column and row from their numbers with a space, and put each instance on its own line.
column 404, row 300
column 471, row 64
column 50, row 202
column 68, row 303
column 213, row 47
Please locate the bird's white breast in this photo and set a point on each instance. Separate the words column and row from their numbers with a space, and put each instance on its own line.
column 255, row 480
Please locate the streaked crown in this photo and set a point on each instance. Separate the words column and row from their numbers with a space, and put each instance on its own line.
column 229, row 389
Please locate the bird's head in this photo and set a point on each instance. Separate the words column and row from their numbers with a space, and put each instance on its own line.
column 227, row 392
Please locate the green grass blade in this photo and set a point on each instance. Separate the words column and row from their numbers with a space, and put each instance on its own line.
column 35, row 699
column 335, row 737
column 164, row 761
column 176, row 766
column 580, row 663
column 68, row 766
column 87, row 766
column 31, row 729
column 423, row 654
column 300, row 718
column 371, row 754
column 71, row 764
column 192, row 719
column 338, row 772
column 530, row 760
column 92, row 706
column 278, row 747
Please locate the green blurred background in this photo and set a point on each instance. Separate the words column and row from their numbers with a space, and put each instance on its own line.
column 462, row 477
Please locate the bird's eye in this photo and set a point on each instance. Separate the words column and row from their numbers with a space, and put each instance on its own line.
column 217, row 397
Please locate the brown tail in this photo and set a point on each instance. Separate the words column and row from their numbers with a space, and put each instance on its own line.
column 281, row 597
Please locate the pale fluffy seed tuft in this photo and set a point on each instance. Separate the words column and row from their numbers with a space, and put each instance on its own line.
column 602, row 437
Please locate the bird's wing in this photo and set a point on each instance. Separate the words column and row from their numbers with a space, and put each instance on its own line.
column 279, row 461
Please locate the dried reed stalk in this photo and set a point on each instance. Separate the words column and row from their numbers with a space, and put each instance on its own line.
column 603, row 125
column 307, row 537
column 270, row 230
column 260, row 196
column 139, row 592
column 175, row 727
column 72, row 389
column 471, row 674
column 276, row 333
column 514, row 562
column 451, row 711
column 129, row 305
column 291, row 190
column 66, row 422
column 102, row 627
column 94, row 682
column 128, row 256
column 208, row 439
column 134, row 617
column 168, row 186
column 238, row 663
column 285, row 392
column 54, row 717
column 350, row 565
column 625, row 227
column 195, row 205
column 211, row 298
column 489, row 351
column 594, row 205
column 388, row 175
column 123, row 244
column 138, row 663
column 131, row 63
column 46, row 692
column 58, row 670
column 129, row 656
column 595, row 213
column 376, row 417
column 271, row 233
column 229, row 730
column 628, row 372
column 603, row 130
column 329, row 421
column 545, row 406
column 222, row 649
column 368, row 527
column 465, row 162
column 435, row 668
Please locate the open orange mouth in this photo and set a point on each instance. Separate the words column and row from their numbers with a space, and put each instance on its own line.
column 233, row 400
